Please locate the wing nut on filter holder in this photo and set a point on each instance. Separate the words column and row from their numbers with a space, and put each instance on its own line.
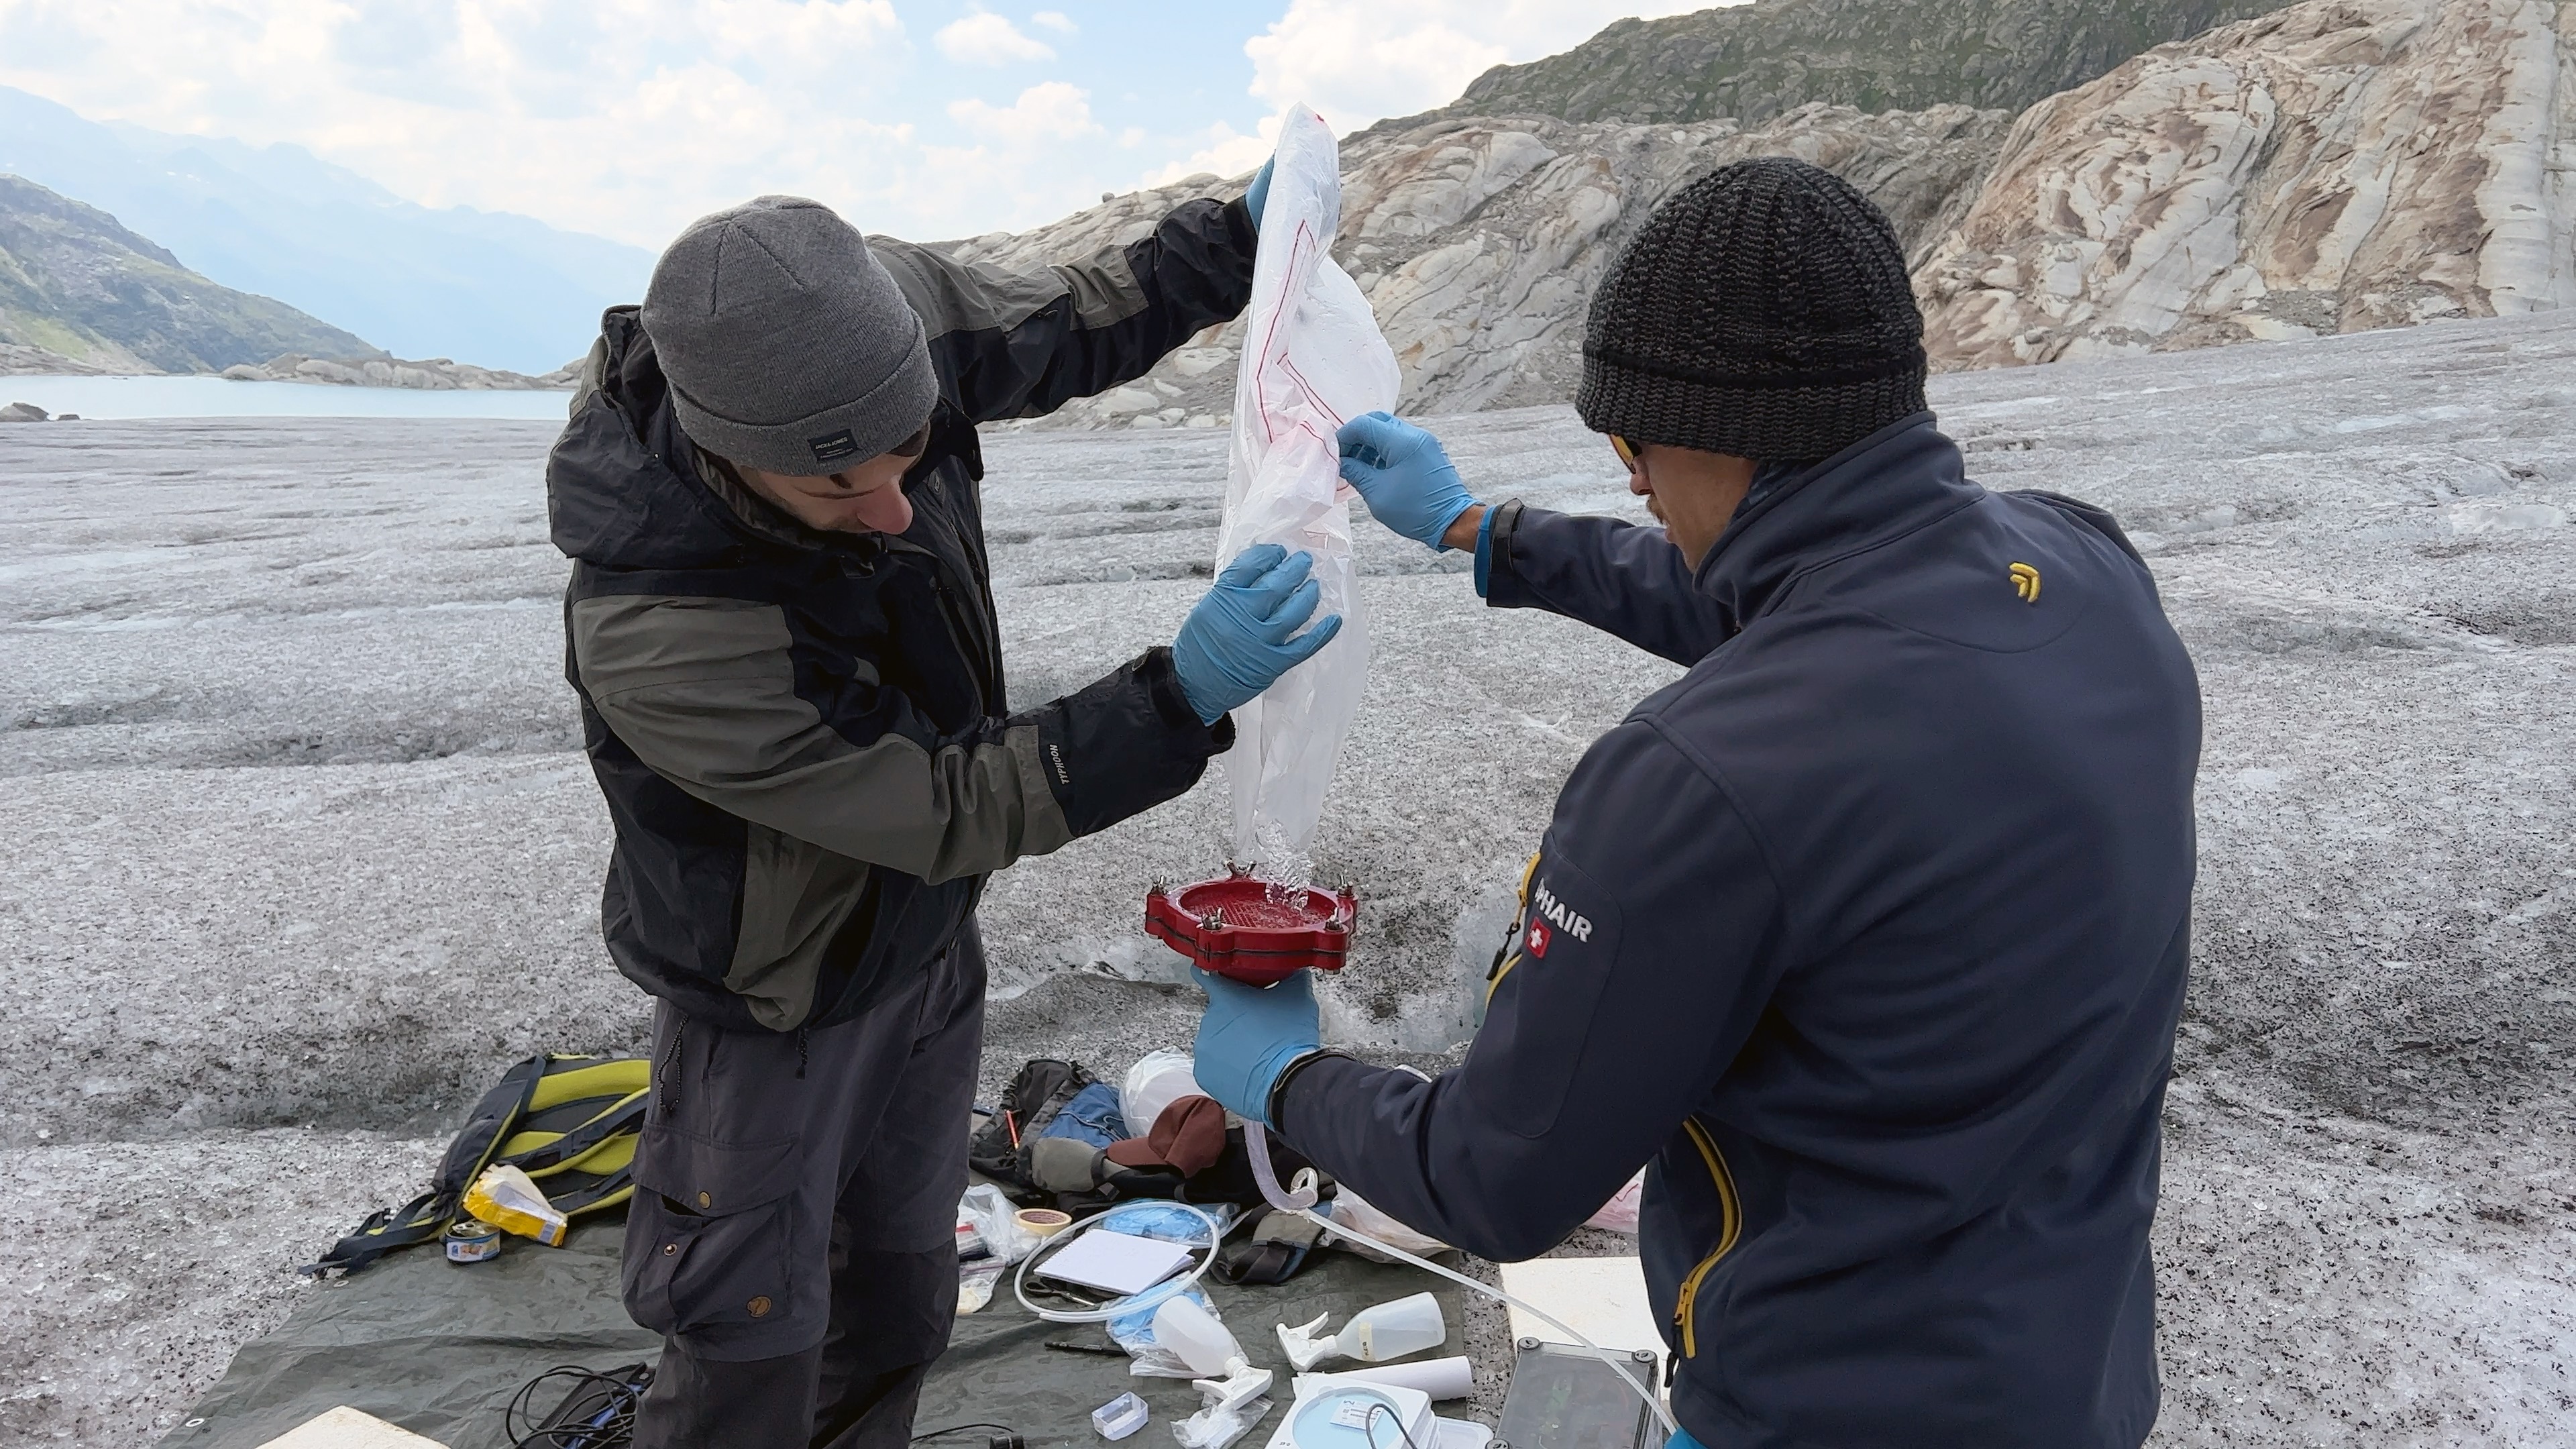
column 1251, row 930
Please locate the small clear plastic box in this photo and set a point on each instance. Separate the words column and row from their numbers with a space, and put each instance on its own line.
column 1120, row 1417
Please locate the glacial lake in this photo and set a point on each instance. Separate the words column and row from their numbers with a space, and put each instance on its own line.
column 216, row 397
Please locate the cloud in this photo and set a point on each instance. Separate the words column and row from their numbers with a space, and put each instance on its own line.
column 1223, row 151
column 987, row 39
column 631, row 117
column 1047, row 111
column 626, row 119
column 1358, row 61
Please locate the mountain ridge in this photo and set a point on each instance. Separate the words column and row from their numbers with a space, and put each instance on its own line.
column 78, row 284
column 1759, row 61
column 504, row 290
column 1477, row 240
column 2326, row 167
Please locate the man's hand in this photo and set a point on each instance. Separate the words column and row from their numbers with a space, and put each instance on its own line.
column 1407, row 479
column 1236, row 643
column 1248, row 1036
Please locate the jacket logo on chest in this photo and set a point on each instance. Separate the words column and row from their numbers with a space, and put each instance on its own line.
column 1055, row 756
column 2025, row 581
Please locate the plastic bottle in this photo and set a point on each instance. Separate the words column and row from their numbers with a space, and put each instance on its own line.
column 1194, row 1335
column 1392, row 1330
column 1374, row 1335
column 1302, row 1203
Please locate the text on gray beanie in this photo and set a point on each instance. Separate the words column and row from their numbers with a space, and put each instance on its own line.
column 787, row 346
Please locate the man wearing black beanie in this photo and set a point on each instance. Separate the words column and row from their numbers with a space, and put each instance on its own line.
column 1868, row 935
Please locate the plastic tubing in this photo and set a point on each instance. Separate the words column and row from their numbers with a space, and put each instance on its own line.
column 1135, row 1302
column 1302, row 1203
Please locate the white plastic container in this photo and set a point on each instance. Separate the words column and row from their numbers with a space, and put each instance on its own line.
column 1158, row 1079
column 1441, row 1378
column 1392, row 1330
column 1194, row 1335
column 1374, row 1335
column 1120, row 1417
column 1357, row 1416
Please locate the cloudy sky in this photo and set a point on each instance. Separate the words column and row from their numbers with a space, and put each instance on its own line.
column 926, row 118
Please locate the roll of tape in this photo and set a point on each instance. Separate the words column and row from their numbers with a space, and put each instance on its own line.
column 1043, row 1222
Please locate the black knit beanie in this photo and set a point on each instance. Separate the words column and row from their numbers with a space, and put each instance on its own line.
column 1763, row 312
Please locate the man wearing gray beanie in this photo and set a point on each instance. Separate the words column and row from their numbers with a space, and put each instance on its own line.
column 781, row 629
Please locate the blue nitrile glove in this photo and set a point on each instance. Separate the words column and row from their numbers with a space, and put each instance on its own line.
column 1235, row 644
column 1257, row 195
column 1405, row 475
column 1248, row 1036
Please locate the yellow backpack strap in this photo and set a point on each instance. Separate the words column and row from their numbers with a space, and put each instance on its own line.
column 426, row 1216
column 580, row 1131
column 1505, row 958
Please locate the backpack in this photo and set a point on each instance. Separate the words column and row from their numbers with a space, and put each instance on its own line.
column 1001, row 1148
column 569, row 1123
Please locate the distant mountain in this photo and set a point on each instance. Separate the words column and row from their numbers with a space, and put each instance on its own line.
column 1755, row 62
column 487, row 287
column 77, row 284
column 1478, row 242
column 2277, row 177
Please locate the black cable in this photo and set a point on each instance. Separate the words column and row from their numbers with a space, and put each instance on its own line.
column 612, row 1423
column 961, row 1428
column 1368, row 1426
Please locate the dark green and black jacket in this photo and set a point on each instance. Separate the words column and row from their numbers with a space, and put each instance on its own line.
column 802, row 737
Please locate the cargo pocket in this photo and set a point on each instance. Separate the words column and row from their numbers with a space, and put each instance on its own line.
column 717, row 1249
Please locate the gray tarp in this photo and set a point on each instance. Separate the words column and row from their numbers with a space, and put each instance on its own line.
column 439, row 1349
column 435, row 1347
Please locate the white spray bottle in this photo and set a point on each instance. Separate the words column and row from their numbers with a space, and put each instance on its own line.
column 1374, row 1335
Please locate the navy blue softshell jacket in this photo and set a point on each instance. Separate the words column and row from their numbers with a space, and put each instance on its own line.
column 1869, row 937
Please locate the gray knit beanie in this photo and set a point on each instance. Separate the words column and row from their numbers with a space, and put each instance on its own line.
column 787, row 346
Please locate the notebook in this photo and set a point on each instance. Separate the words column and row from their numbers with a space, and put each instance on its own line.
column 1120, row 1263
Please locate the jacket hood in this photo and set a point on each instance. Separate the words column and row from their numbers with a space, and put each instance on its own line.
column 1886, row 485
column 620, row 484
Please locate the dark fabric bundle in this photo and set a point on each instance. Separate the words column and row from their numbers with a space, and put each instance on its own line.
column 1002, row 1146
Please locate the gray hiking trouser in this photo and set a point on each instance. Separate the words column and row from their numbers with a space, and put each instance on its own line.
column 793, row 1231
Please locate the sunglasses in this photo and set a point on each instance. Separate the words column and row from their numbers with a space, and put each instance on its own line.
column 1626, row 450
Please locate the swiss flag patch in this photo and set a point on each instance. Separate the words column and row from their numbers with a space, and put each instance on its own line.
column 1539, row 936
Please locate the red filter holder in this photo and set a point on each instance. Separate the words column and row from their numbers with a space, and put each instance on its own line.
column 1238, row 928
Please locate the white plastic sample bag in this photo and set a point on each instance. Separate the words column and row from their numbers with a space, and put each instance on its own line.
column 1158, row 1079
column 1312, row 359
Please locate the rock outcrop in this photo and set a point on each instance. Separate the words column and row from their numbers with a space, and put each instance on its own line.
column 436, row 374
column 75, row 283
column 2341, row 165
column 1479, row 241
column 1755, row 62
column 2332, row 166
column 17, row 359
